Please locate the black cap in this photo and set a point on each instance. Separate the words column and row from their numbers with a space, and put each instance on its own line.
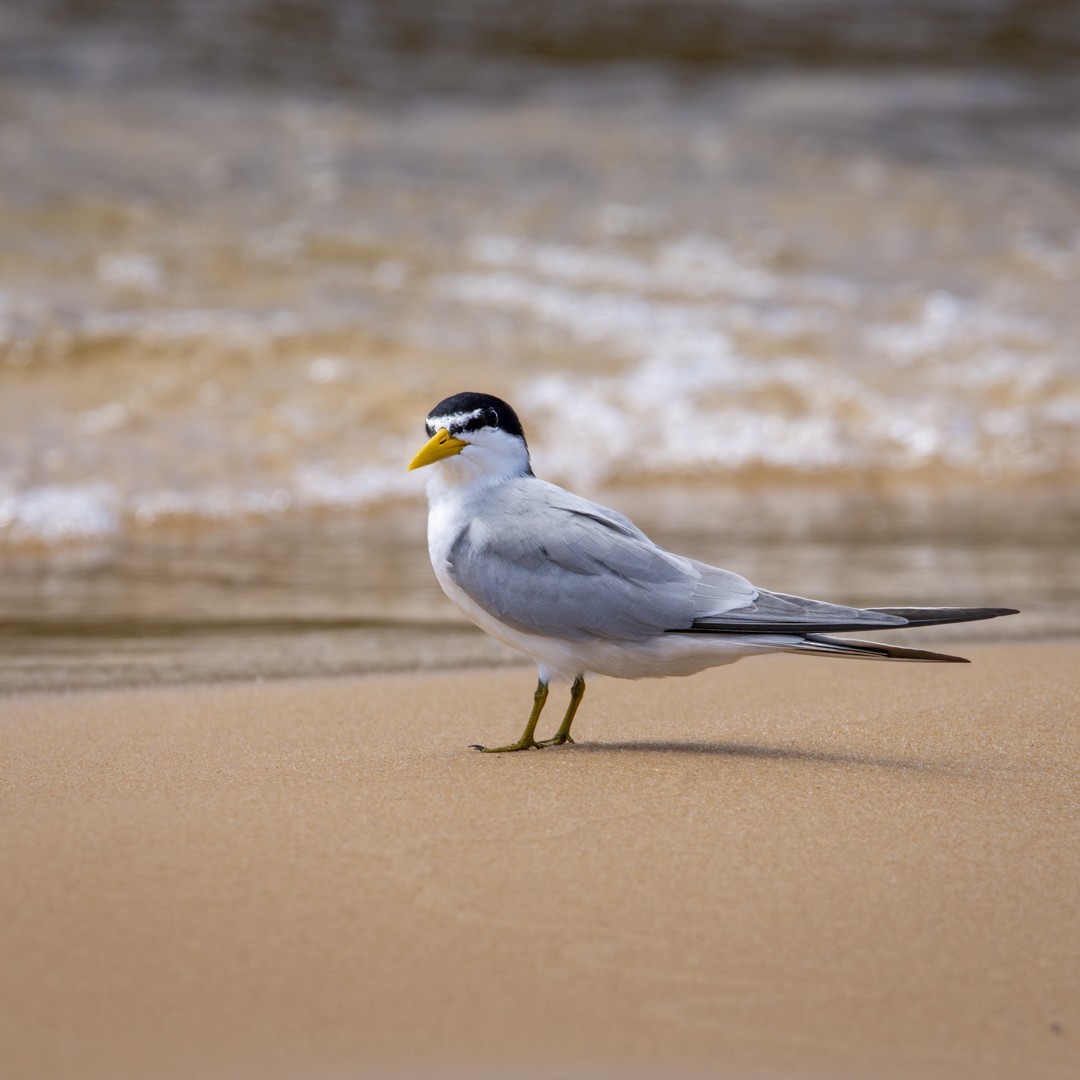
column 467, row 411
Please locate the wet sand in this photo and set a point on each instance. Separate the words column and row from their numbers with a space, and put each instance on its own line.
column 790, row 868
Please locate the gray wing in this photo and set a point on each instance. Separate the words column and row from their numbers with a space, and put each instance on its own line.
column 547, row 562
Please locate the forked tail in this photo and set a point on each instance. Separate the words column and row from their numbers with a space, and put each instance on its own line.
column 823, row 645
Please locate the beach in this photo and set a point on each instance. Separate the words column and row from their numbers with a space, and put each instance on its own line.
column 792, row 286
column 788, row 868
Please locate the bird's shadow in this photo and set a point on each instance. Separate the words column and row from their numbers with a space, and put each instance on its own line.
column 764, row 753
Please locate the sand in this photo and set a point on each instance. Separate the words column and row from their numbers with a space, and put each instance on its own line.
column 788, row 868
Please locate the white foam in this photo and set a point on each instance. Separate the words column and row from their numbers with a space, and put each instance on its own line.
column 716, row 372
column 694, row 266
column 131, row 271
column 54, row 514
column 324, row 486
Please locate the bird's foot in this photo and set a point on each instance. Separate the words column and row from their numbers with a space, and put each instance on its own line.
column 555, row 740
column 524, row 744
column 521, row 744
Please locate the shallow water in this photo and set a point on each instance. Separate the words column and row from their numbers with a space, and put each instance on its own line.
column 834, row 292
column 353, row 593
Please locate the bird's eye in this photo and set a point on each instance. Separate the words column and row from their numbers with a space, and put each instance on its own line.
column 492, row 418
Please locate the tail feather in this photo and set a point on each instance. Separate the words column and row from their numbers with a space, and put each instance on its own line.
column 869, row 650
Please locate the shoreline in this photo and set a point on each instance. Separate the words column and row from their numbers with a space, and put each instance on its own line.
column 43, row 664
column 784, row 868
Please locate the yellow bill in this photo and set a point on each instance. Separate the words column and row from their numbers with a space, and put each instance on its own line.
column 441, row 445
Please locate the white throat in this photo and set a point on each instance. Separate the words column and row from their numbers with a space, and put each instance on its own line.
column 492, row 458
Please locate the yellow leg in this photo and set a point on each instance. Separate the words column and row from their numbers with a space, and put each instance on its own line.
column 526, row 742
column 577, row 692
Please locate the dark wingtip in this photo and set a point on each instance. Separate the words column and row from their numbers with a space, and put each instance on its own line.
column 917, row 616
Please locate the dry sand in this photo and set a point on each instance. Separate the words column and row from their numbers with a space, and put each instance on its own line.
column 789, row 868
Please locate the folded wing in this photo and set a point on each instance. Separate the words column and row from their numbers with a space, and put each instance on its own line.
column 547, row 562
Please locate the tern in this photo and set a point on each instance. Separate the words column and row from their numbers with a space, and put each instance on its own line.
column 582, row 590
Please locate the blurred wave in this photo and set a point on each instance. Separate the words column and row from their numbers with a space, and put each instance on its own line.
column 379, row 46
column 221, row 305
column 772, row 256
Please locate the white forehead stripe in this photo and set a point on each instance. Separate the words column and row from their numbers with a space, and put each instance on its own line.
column 454, row 419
